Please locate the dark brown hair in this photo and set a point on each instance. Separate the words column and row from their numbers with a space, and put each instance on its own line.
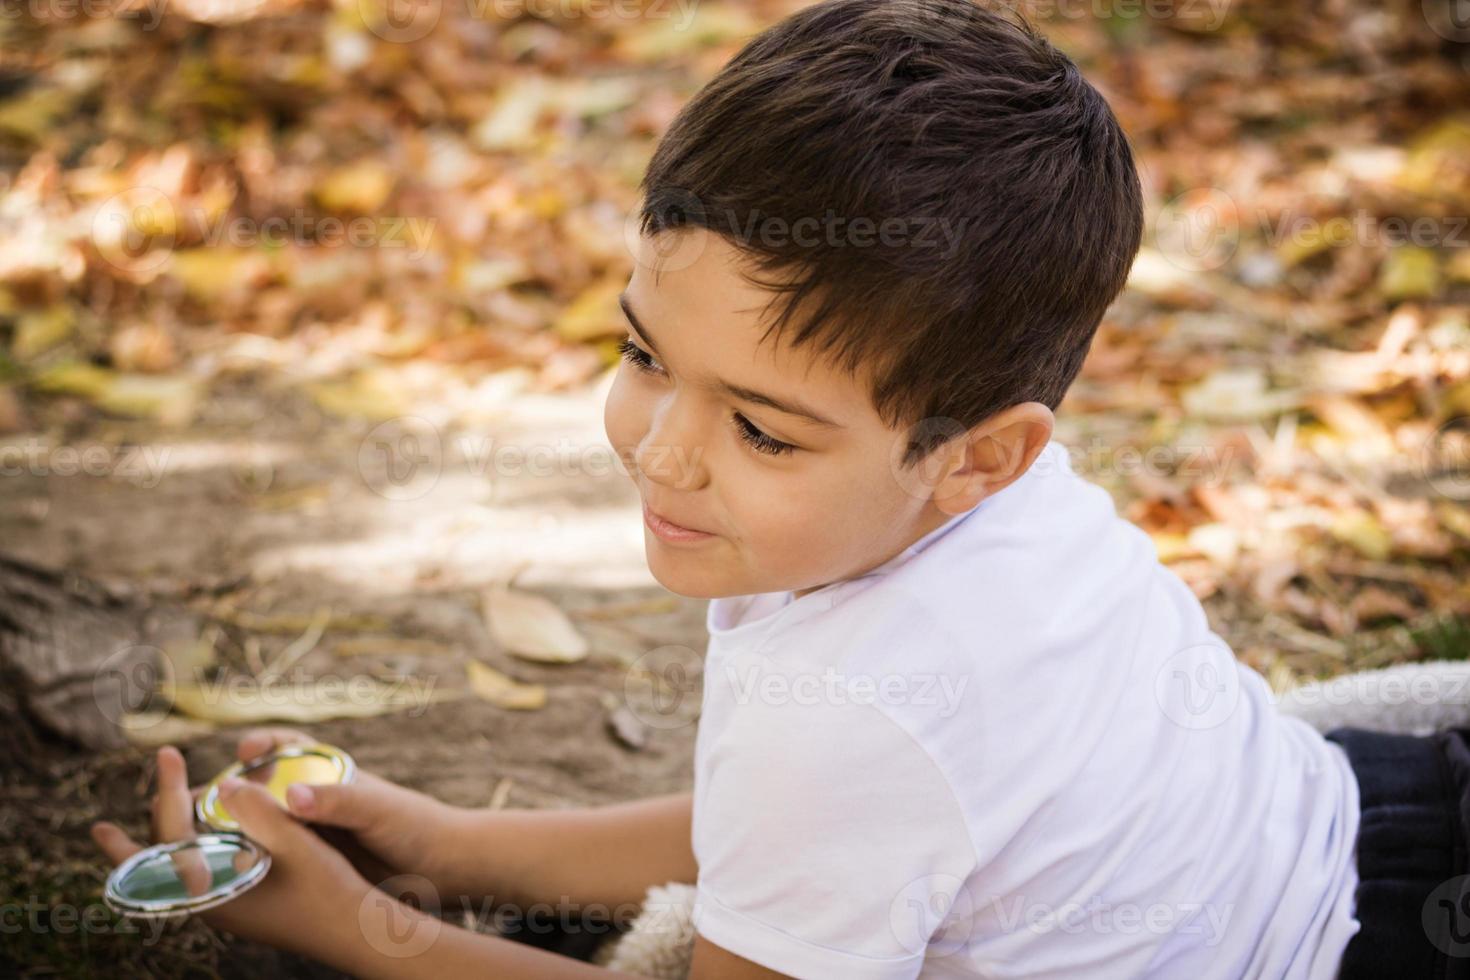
column 938, row 186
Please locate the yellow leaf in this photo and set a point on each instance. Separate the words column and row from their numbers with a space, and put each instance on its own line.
column 1364, row 533
column 40, row 330
column 155, row 728
column 362, row 187
column 1436, row 162
column 169, row 399
column 240, row 700
column 1170, row 546
column 33, row 114
column 72, row 378
column 1235, row 394
column 1454, row 517
column 1459, row 266
column 532, row 627
column 594, row 313
column 1409, row 272
column 207, row 274
column 1218, row 542
column 503, row 691
column 679, row 35
column 366, row 394
column 511, row 123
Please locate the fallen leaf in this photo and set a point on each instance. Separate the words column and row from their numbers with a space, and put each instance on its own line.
column 361, row 188
column 239, row 700
column 1235, row 395
column 1376, row 602
column 155, row 728
column 1363, row 532
column 367, row 394
column 209, row 275
column 171, row 399
column 40, row 330
column 532, row 627
column 144, row 347
column 34, row 113
column 627, row 728
column 1409, row 272
column 501, row 690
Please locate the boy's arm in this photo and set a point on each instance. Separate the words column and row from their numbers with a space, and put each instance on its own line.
column 403, row 942
column 606, row 855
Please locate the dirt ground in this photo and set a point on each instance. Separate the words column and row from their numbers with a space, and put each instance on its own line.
column 276, row 507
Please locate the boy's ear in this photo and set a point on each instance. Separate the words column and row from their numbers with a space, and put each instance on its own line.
column 993, row 455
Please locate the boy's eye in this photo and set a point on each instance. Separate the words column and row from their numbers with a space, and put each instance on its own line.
column 638, row 357
column 753, row 437
column 757, row 439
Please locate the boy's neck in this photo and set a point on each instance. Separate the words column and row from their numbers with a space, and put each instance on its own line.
column 932, row 520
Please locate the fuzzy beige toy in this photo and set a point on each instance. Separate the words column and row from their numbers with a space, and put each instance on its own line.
column 660, row 942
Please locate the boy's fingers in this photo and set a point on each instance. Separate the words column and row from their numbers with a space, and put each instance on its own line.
column 346, row 805
column 259, row 741
column 109, row 837
column 173, row 807
column 261, row 817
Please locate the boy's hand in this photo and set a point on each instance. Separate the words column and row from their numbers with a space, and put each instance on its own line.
column 307, row 902
column 397, row 830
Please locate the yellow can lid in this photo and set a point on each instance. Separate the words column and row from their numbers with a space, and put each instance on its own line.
column 317, row 765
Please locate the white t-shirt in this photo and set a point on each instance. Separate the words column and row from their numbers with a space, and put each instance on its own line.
column 1014, row 750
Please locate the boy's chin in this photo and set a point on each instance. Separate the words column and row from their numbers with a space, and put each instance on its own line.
column 691, row 576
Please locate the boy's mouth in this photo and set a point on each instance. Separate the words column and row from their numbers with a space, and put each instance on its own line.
column 667, row 530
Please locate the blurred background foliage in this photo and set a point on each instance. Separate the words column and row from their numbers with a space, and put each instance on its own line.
column 382, row 208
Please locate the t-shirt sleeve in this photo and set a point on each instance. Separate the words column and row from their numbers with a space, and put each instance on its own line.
column 829, row 842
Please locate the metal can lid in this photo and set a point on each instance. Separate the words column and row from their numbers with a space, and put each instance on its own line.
column 316, row 764
column 185, row 876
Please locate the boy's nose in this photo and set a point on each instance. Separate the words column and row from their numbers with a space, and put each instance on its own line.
column 672, row 455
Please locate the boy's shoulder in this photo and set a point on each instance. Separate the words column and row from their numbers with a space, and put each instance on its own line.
column 1050, row 547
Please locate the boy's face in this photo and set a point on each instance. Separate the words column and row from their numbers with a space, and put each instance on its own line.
column 833, row 506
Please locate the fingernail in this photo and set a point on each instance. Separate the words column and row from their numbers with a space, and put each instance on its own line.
column 299, row 797
column 230, row 786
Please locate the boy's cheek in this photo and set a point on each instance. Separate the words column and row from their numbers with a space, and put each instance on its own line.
column 620, row 423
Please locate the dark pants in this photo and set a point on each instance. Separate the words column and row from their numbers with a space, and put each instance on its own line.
column 577, row 940
column 1413, row 896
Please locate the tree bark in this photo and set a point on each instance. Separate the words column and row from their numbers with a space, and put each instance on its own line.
column 76, row 654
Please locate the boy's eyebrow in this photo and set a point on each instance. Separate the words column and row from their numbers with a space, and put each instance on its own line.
column 738, row 391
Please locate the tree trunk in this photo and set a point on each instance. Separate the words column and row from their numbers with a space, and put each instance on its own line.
column 76, row 655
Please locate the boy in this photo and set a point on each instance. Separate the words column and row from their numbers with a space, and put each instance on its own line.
column 958, row 721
